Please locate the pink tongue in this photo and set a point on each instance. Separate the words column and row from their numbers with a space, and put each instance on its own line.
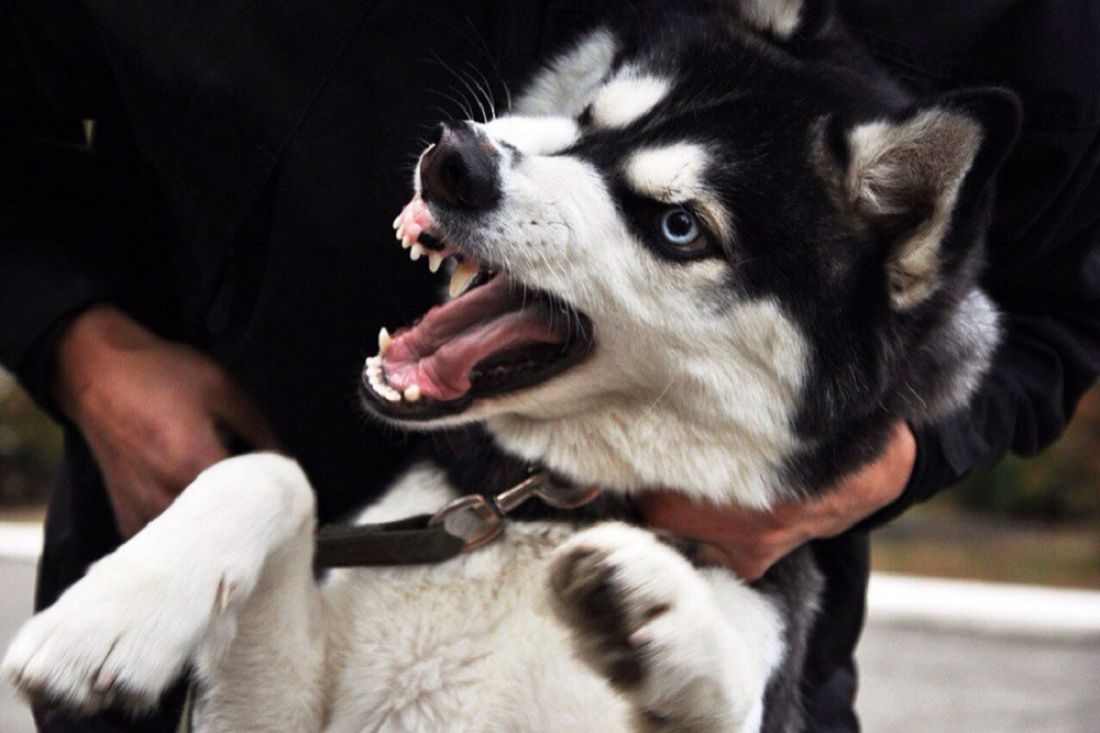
column 439, row 353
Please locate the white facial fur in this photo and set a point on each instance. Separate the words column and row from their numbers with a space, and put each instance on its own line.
column 626, row 98
column 561, row 88
column 780, row 17
column 670, row 173
column 687, row 387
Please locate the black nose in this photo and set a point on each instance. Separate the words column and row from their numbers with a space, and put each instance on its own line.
column 460, row 170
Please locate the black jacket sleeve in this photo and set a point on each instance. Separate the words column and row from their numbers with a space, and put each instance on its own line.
column 1045, row 277
column 61, row 244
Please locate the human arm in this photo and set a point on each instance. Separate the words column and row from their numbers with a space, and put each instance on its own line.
column 77, row 234
column 55, row 254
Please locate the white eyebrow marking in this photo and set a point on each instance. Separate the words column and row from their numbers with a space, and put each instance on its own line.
column 628, row 97
column 671, row 173
column 534, row 135
column 778, row 16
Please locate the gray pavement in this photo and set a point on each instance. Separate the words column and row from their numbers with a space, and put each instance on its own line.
column 920, row 679
column 16, row 588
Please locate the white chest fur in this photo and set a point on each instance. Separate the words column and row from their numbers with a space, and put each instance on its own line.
column 469, row 645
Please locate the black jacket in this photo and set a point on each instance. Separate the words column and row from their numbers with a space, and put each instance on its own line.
column 247, row 158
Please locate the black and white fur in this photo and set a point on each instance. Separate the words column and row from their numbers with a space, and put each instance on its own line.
column 840, row 295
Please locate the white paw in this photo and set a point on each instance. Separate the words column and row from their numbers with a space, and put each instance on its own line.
column 126, row 631
column 644, row 618
column 118, row 637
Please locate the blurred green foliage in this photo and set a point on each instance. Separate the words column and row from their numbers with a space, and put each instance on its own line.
column 30, row 447
column 1060, row 484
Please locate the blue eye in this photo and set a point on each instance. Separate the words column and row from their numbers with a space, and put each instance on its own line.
column 680, row 228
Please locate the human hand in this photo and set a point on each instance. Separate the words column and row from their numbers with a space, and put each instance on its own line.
column 749, row 541
column 153, row 412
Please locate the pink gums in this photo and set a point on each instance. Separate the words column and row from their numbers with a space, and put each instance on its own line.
column 415, row 218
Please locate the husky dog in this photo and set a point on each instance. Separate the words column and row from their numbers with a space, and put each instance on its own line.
column 713, row 248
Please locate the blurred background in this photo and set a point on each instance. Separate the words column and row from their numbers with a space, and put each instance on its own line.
column 1034, row 521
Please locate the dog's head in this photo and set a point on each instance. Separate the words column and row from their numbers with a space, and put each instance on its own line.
column 719, row 251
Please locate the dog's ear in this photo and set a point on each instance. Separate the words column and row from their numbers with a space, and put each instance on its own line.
column 915, row 184
column 785, row 20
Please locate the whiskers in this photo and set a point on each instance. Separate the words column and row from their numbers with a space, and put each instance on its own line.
column 473, row 90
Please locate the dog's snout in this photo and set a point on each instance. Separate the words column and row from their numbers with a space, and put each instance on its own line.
column 461, row 168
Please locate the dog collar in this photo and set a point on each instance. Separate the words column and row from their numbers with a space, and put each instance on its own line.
column 464, row 524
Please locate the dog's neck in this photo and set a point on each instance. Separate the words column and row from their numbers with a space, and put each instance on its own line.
column 631, row 450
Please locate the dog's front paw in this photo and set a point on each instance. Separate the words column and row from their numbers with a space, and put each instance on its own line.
column 119, row 637
column 641, row 616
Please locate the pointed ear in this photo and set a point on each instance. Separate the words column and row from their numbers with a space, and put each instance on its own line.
column 918, row 183
column 786, row 20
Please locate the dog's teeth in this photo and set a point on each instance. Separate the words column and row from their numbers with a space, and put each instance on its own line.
column 375, row 360
column 416, row 251
column 463, row 273
column 400, row 234
column 434, row 261
column 412, row 392
column 380, row 387
column 397, row 221
column 384, row 340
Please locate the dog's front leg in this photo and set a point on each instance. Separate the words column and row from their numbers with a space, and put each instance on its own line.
column 692, row 650
column 230, row 555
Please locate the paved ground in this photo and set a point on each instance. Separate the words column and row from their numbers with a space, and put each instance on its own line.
column 918, row 675
column 16, row 582
column 917, row 680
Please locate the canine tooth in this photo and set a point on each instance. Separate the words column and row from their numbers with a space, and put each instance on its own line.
column 434, row 261
column 400, row 234
column 412, row 392
column 416, row 251
column 463, row 273
column 384, row 340
column 397, row 221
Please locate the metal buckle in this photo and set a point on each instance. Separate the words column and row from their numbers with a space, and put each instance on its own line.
column 470, row 518
column 539, row 484
column 478, row 521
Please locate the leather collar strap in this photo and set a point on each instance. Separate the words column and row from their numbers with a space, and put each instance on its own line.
column 405, row 542
column 465, row 524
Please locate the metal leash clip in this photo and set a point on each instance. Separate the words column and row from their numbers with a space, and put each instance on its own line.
column 478, row 520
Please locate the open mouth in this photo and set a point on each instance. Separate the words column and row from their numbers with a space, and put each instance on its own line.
column 493, row 335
